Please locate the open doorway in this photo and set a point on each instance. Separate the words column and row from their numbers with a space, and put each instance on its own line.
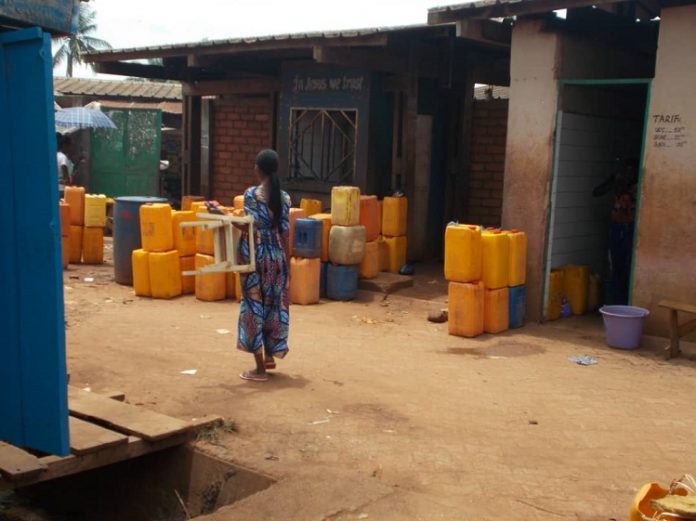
column 595, row 182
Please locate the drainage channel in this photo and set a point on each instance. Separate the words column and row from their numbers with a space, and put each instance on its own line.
column 171, row 485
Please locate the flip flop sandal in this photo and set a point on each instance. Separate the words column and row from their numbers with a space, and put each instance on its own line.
column 253, row 377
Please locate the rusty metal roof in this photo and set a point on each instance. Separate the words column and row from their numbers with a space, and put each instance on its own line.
column 135, row 90
column 170, row 107
column 251, row 43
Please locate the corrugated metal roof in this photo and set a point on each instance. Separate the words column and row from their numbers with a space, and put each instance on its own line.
column 170, row 107
column 479, row 4
column 256, row 40
column 117, row 88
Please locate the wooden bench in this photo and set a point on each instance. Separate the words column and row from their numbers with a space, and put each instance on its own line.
column 677, row 331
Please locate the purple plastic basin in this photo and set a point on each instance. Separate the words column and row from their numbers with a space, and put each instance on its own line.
column 623, row 325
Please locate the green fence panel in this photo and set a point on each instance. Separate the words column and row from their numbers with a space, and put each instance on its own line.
column 126, row 161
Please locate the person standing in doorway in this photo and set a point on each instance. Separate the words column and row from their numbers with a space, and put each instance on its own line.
column 624, row 183
column 65, row 165
column 264, row 314
column 621, row 244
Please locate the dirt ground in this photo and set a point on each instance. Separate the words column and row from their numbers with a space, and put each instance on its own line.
column 378, row 414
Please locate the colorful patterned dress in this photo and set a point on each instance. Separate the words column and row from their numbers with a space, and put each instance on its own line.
column 264, row 315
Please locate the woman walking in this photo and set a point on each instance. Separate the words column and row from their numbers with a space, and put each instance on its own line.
column 264, row 316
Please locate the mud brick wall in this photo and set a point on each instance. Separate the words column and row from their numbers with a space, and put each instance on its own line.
column 241, row 127
column 489, row 130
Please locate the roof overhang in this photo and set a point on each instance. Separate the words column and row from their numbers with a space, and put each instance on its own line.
column 487, row 9
column 274, row 43
column 255, row 64
column 504, row 9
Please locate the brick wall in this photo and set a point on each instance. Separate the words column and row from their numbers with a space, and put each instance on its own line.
column 241, row 127
column 489, row 128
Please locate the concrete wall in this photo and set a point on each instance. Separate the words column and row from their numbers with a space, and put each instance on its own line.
column 583, row 58
column 666, row 249
column 529, row 149
column 540, row 57
column 487, row 171
column 241, row 128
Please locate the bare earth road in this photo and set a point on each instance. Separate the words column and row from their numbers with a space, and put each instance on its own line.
column 379, row 414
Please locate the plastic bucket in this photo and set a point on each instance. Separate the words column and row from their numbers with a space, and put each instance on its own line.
column 623, row 325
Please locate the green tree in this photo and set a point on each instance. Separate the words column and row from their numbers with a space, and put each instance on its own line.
column 71, row 49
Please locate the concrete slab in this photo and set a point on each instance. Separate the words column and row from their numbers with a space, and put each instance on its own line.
column 311, row 495
column 387, row 283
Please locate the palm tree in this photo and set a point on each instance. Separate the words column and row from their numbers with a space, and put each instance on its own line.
column 72, row 48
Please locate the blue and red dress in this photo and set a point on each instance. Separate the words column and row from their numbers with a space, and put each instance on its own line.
column 264, row 314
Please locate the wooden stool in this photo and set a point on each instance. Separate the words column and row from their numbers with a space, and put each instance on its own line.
column 677, row 331
column 226, row 241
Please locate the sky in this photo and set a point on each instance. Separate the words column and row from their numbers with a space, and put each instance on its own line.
column 136, row 23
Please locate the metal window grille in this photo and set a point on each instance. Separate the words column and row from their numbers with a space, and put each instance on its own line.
column 323, row 145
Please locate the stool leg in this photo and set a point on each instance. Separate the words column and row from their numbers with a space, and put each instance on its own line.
column 673, row 334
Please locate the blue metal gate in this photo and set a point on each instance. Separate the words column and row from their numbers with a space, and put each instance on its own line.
column 33, row 388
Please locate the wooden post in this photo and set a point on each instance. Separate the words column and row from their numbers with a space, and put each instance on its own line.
column 409, row 140
column 673, row 334
column 205, row 147
column 459, row 147
column 455, row 104
column 462, row 182
column 191, row 146
column 397, row 140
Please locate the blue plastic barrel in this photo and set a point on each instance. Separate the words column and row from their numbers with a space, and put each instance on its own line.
column 517, row 306
column 341, row 282
column 127, row 234
column 322, row 279
column 308, row 233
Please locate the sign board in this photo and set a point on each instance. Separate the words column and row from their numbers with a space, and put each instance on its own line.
column 54, row 16
column 317, row 87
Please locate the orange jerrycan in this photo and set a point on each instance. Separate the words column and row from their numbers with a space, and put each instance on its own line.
column 576, row 280
column 156, row 227
column 369, row 267
column 304, row 280
column 495, row 260
column 496, row 312
column 463, row 252
column 394, row 216
column 165, row 274
column 517, row 267
column 465, row 308
column 345, row 205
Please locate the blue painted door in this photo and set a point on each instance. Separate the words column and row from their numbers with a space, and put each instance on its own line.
column 33, row 392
